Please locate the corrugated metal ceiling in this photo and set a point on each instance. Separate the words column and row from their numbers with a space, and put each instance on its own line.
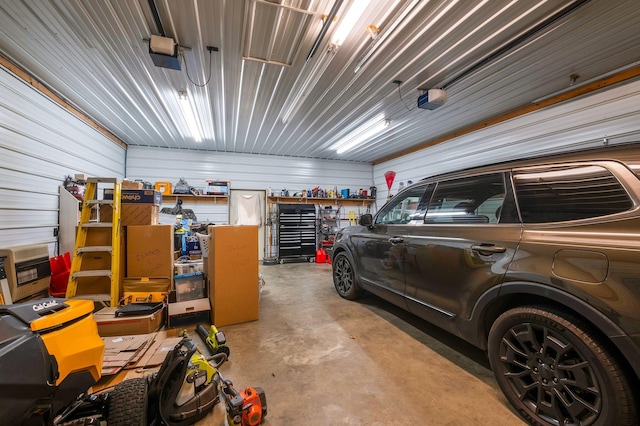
column 94, row 53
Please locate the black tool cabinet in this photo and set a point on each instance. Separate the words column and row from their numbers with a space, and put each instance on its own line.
column 296, row 231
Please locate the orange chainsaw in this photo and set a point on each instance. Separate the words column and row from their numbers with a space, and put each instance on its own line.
column 246, row 408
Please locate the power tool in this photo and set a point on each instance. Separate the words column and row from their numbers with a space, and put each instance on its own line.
column 185, row 389
column 246, row 408
column 214, row 339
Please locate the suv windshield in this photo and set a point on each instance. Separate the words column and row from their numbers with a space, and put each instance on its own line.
column 405, row 208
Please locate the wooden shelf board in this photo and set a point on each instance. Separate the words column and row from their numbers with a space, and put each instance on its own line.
column 209, row 197
column 316, row 200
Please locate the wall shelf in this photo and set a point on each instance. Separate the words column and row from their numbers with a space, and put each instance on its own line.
column 315, row 200
column 190, row 198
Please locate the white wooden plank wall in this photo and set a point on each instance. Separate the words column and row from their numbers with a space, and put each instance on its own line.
column 40, row 144
column 583, row 123
column 255, row 172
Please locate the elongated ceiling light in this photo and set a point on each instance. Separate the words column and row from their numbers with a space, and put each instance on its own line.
column 348, row 22
column 190, row 117
column 362, row 134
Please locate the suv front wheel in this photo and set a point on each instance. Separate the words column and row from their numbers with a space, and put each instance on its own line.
column 344, row 277
column 555, row 372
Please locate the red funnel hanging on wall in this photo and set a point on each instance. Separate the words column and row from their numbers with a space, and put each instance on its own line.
column 389, row 176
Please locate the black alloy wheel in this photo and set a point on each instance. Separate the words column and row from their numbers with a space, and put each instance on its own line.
column 554, row 371
column 344, row 277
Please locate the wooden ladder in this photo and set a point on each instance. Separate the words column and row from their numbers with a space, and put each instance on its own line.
column 95, row 269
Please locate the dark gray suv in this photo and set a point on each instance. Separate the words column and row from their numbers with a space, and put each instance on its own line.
column 536, row 261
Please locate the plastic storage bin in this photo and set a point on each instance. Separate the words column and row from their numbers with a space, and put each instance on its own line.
column 189, row 286
column 188, row 267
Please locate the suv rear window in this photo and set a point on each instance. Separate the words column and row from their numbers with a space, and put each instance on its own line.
column 557, row 194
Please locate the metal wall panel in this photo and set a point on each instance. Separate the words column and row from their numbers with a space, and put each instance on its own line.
column 244, row 171
column 584, row 123
column 40, row 144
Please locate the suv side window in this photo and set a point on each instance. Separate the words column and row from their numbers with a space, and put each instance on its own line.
column 475, row 199
column 408, row 206
column 571, row 192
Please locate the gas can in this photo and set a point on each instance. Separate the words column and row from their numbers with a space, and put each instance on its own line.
column 321, row 256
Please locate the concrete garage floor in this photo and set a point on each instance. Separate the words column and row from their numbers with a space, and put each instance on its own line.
column 323, row 360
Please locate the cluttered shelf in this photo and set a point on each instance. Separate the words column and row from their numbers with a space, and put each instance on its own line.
column 317, row 200
column 209, row 198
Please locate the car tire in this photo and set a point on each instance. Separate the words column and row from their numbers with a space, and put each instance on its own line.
column 128, row 403
column 344, row 277
column 554, row 371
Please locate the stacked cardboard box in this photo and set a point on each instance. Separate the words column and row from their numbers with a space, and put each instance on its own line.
column 147, row 253
column 232, row 273
column 150, row 251
column 111, row 325
column 138, row 207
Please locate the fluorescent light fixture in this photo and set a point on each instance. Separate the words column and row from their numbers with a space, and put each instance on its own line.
column 349, row 21
column 190, row 117
column 362, row 134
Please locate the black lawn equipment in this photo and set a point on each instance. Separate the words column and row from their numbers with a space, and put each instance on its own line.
column 51, row 354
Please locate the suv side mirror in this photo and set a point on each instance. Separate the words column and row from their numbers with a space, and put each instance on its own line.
column 366, row 220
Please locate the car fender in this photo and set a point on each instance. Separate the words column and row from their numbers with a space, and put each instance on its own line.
column 347, row 250
column 623, row 342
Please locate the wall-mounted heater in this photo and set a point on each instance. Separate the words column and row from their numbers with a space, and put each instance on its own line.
column 27, row 269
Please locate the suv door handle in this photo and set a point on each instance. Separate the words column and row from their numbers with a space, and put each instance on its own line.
column 487, row 249
column 396, row 240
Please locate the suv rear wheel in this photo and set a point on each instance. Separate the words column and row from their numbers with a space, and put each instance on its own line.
column 555, row 372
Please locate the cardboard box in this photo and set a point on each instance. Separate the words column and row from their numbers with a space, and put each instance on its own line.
column 232, row 273
column 150, row 251
column 130, row 184
column 136, row 368
column 217, row 187
column 110, row 325
column 136, row 196
column 146, row 290
column 121, row 351
column 140, row 214
column 97, row 236
column 93, row 261
column 189, row 312
column 156, row 354
column 132, row 214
